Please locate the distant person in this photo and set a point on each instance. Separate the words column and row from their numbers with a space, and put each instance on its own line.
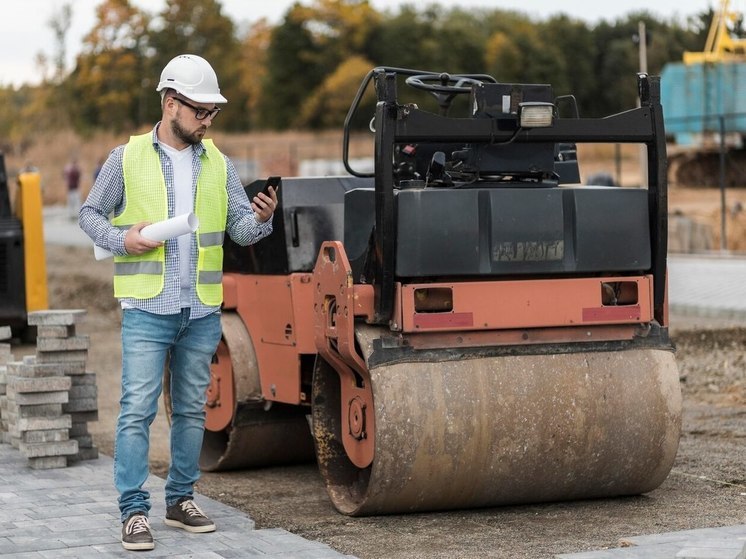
column 170, row 292
column 72, row 180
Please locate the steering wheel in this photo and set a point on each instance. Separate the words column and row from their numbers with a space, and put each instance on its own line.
column 444, row 87
column 442, row 83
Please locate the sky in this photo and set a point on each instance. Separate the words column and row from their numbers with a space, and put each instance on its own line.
column 27, row 33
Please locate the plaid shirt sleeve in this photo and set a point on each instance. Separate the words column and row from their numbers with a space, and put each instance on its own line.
column 106, row 197
column 242, row 225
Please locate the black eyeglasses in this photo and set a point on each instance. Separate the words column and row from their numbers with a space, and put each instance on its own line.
column 199, row 113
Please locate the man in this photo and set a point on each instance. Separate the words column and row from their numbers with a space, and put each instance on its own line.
column 170, row 292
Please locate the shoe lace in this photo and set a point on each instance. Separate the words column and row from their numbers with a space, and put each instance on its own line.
column 191, row 508
column 138, row 524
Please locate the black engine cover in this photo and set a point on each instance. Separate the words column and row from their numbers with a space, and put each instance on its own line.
column 522, row 230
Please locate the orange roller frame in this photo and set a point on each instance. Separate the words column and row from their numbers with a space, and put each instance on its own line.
column 524, row 304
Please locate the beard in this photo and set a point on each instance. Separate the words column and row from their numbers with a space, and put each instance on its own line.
column 191, row 138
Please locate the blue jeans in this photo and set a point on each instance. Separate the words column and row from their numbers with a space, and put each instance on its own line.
column 147, row 341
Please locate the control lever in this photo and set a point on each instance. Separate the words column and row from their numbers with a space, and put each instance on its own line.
column 436, row 172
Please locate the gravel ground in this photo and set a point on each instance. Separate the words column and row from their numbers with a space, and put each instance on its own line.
column 706, row 488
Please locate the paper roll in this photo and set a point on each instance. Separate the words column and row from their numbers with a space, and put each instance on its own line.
column 161, row 231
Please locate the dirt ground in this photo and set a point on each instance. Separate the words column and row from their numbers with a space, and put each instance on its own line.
column 707, row 487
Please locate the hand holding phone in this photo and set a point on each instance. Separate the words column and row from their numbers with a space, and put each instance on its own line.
column 265, row 208
column 274, row 182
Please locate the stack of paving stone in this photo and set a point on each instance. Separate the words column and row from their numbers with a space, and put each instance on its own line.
column 5, row 357
column 37, row 426
column 58, row 344
column 50, row 398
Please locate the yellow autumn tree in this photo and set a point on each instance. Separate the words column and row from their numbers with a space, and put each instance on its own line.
column 328, row 105
column 254, row 66
column 108, row 78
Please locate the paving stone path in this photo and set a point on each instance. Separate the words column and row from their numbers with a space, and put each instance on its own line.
column 72, row 512
column 728, row 542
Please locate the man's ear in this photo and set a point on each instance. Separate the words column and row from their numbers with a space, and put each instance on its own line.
column 167, row 94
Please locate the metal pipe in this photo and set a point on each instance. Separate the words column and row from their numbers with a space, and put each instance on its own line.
column 643, row 53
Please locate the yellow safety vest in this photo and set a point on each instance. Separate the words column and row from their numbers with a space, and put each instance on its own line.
column 142, row 277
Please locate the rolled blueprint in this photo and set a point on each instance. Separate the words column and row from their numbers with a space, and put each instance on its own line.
column 161, row 231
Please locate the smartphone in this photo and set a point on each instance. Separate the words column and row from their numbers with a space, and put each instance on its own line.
column 274, row 182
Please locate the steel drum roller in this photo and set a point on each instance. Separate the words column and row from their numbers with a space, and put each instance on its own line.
column 253, row 433
column 505, row 430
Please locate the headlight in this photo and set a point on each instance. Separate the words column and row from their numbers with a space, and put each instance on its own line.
column 535, row 114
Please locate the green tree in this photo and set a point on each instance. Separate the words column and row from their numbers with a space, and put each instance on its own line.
column 396, row 41
column 617, row 63
column 434, row 39
column 309, row 45
column 614, row 70
column 572, row 42
column 522, row 54
column 668, row 41
column 465, row 33
column 292, row 73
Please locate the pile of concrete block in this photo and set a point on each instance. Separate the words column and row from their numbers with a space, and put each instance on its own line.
column 57, row 342
column 6, row 356
column 50, row 397
column 37, row 426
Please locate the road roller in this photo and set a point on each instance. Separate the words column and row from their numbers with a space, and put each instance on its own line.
column 468, row 325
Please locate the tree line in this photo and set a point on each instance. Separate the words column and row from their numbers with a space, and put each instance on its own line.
column 304, row 71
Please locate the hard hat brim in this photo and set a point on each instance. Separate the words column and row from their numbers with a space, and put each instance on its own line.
column 206, row 98
column 196, row 97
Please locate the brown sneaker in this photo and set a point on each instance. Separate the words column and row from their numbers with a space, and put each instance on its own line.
column 185, row 514
column 136, row 534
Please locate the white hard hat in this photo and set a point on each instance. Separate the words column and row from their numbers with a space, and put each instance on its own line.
column 193, row 77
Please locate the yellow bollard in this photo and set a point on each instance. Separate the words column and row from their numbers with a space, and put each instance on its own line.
column 29, row 212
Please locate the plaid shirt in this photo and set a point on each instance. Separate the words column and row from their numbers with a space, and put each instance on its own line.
column 107, row 196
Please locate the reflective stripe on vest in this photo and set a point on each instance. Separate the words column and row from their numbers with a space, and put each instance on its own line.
column 210, row 277
column 132, row 268
column 142, row 277
column 211, row 239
